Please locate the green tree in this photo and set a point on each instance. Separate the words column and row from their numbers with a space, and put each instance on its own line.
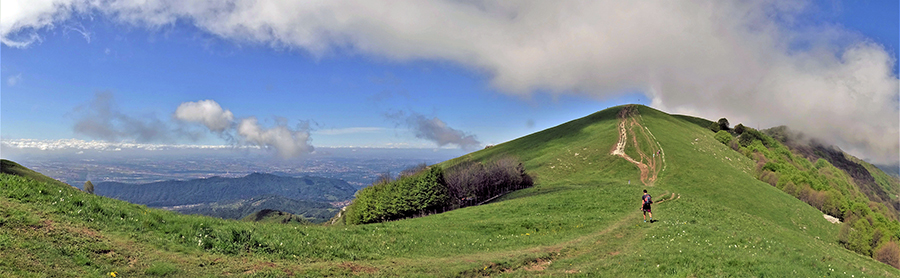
column 714, row 127
column 738, row 129
column 723, row 124
column 89, row 187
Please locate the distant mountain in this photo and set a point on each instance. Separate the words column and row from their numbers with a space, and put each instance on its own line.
column 309, row 211
column 218, row 189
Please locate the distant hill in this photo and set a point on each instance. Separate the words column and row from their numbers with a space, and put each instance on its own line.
column 274, row 216
column 310, row 211
column 218, row 189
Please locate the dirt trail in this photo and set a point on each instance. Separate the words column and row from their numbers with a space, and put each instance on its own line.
column 629, row 123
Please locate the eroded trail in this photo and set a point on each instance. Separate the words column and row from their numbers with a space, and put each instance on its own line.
column 650, row 165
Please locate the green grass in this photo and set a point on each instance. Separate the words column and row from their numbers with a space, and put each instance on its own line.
column 580, row 219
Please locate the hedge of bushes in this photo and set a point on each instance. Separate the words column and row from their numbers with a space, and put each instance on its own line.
column 425, row 190
column 405, row 197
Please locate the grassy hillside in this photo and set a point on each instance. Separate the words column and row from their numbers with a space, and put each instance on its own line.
column 714, row 218
column 12, row 168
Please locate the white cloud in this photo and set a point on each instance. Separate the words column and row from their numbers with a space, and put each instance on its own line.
column 738, row 59
column 287, row 141
column 14, row 80
column 434, row 130
column 206, row 112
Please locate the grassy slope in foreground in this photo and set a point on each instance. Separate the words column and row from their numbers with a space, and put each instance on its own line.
column 581, row 218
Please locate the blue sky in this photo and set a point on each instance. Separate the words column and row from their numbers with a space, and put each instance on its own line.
column 463, row 77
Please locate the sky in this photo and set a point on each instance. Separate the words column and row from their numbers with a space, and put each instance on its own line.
column 291, row 76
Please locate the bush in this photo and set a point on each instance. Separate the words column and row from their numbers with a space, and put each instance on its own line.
column 723, row 136
column 769, row 177
column 714, row 127
column 772, row 166
column 889, row 254
column 421, row 190
column 858, row 236
column 89, row 187
column 470, row 183
column 405, row 197
column 749, row 135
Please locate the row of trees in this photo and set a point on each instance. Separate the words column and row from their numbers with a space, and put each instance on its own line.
column 423, row 190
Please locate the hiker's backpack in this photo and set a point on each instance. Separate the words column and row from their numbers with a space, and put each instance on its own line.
column 648, row 200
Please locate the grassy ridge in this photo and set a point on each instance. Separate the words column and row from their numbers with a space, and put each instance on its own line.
column 12, row 168
column 580, row 218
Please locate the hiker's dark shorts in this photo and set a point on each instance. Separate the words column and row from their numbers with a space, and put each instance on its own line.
column 646, row 208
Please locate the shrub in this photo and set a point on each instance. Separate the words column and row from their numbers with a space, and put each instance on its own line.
column 889, row 254
column 723, row 136
column 89, row 187
column 714, row 127
column 735, row 145
column 420, row 190
column 769, row 177
column 858, row 237
column 773, row 166
column 470, row 183
column 749, row 135
column 405, row 197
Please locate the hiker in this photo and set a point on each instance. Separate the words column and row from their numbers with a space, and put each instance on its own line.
column 646, row 200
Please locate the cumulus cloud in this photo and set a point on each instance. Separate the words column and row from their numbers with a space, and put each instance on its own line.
column 435, row 130
column 286, row 141
column 102, row 119
column 206, row 112
column 749, row 61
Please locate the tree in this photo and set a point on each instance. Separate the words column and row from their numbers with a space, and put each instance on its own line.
column 723, row 124
column 739, row 128
column 89, row 187
column 714, row 127
column 889, row 254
